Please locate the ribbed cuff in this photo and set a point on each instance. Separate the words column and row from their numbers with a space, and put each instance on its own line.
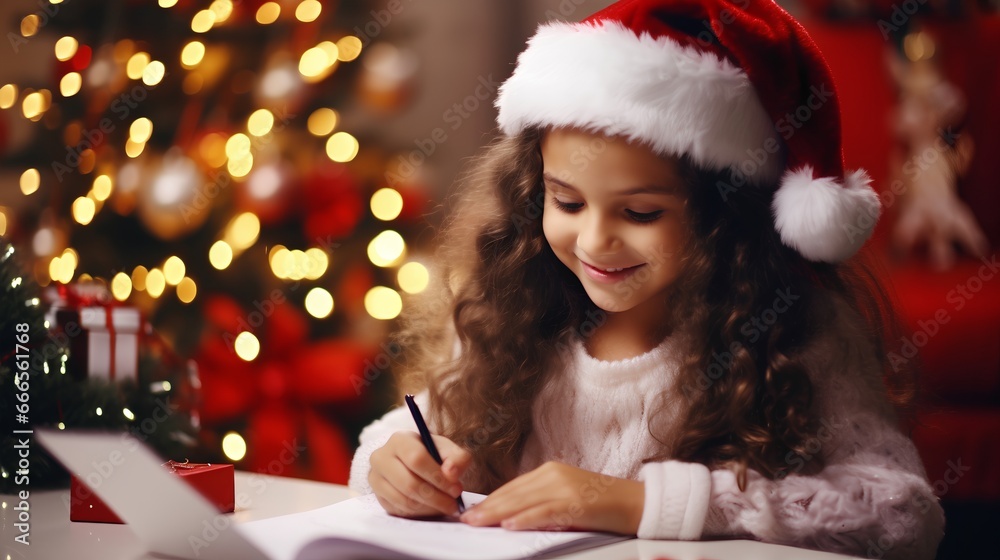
column 677, row 497
column 361, row 464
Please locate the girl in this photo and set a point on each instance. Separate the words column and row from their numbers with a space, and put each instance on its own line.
column 643, row 322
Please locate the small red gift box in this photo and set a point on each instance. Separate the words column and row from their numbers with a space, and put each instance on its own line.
column 214, row 482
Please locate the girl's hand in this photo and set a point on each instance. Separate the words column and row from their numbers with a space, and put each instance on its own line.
column 409, row 483
column 558, row 496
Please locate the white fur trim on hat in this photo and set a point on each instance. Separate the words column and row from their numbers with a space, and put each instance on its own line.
column 676, row 99
column 822, row 220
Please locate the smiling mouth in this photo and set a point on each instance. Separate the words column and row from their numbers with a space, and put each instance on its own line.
column 610, row 274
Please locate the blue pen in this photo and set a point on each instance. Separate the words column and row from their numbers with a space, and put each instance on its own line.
column 425, row 435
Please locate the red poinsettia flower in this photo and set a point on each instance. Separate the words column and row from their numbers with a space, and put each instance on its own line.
column 284, row 393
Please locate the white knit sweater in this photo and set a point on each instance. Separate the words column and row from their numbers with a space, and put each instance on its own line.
column 872, row 498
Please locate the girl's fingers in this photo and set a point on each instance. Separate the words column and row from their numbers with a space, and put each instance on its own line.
column 541, row 517
column 391, row 499
column 418, row 460
column 515, row 496
column 418, row 490
column 456, row 459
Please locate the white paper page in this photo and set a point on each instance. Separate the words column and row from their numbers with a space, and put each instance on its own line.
column 363, row 519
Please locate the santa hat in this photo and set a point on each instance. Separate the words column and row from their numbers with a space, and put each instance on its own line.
column 735, row 85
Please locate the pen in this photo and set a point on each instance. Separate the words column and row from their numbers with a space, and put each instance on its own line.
column 425, row 435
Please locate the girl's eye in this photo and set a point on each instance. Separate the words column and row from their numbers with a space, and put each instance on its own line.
column 644, row 217
column 567, row 206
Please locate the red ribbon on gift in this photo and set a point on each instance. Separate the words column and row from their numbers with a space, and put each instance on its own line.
column 286, row 393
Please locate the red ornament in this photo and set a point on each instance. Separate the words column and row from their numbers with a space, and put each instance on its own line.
column 284, row 391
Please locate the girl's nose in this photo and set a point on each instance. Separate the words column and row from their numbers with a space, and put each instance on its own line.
column 598, row 236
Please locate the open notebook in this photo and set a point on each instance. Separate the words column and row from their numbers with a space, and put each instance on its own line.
column 172, row 519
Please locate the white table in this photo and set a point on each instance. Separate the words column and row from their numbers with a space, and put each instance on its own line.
column 55, row 537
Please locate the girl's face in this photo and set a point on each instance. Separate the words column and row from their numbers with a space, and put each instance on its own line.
column 614, row 214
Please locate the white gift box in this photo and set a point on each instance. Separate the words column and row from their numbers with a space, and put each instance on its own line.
column 112, row 342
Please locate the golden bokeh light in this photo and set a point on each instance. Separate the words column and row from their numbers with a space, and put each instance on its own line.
column 173, row 270
column 247, row 346
column 268, row 13
column 342, row 147
column 155, row 283
column 319, row 303
column 102, row 187
column 139, row 278
column 154, row 73
column 220, row 255
column 240, row 167
column 383, row 303
column 386, row 204
column 234, row 446
column 65, row 48
column 136, row 65
column 31, row 179
column 242, row 231
column 134, row 149
column 222, row 10
column 308, row 10
column 121, row 286
column 70, row 84
column 33, row 105
column 238, row 146
column 316, row 264
column 348, row 48
column 203, row 21
column 260, row 122
column 314, row 62
column 192, row 54
column 386, row 248
column 84, row 210
column 167, row 3
column 140, row 130
column 186, row 290
column 29, row 25
column 413, row 277
column 8, row 96
column 88, row 159
column 280, row 259
column 322, row 121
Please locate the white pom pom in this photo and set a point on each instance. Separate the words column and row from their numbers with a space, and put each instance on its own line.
column 823, row 220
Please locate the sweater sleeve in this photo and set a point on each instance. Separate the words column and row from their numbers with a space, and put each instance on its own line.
column 375, row 435
column 871, row 499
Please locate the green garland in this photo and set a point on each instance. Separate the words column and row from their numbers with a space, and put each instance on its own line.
column 146, row 407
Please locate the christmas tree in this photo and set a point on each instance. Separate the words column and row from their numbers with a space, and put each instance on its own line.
column 210, row 163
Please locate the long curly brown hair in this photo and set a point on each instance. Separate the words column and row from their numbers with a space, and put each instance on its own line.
column 487, row 333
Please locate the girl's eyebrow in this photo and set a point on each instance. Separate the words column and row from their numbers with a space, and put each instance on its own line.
column 646, row 189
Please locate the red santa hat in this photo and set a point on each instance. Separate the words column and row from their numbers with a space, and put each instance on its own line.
column 736, row 85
